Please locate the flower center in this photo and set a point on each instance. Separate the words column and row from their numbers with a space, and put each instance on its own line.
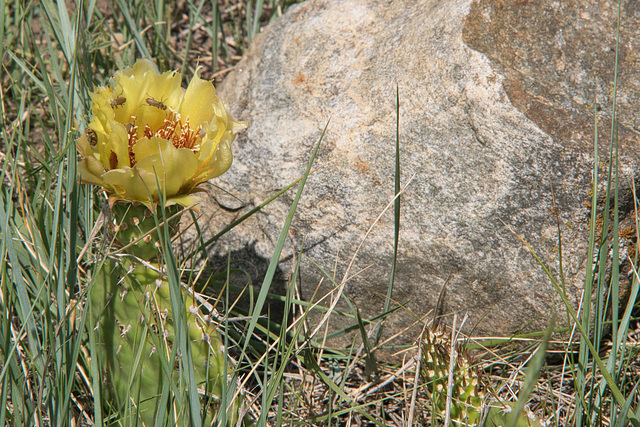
column 173, row 129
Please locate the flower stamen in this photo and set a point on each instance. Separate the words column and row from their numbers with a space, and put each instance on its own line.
column 188, row 137
column 180, row 134
column 132, row 137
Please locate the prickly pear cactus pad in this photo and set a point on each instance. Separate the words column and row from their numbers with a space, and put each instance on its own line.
column 150, row 145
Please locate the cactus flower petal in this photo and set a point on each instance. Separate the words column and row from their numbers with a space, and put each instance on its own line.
column 149, row 138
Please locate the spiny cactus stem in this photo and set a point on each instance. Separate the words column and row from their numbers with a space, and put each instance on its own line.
column 154, row 335
column 139, row 231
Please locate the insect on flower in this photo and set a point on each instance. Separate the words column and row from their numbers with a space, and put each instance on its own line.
column 91, row 136
column 118, row 101
column 154, row 103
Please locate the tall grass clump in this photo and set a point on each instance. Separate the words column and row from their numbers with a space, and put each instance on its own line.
column 42, row 207
column 602, row 372
column 604, row 394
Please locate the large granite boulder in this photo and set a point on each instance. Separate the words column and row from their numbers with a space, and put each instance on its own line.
column 496, row 119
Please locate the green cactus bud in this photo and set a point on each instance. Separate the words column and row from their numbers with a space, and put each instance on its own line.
column 466, row 395
column 468, row 401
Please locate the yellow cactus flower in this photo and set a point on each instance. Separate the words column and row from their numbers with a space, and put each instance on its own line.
column 149, row 137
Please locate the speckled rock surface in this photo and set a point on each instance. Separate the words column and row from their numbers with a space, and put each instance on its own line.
column 494, row 113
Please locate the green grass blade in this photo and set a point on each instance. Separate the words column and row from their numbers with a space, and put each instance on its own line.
column 180, row 317
column 280, row 244
column 213, row 33
column 583, row 355
column 194, row 16
column 615, row 390
column 622, row 420
column 96, row 376
column 533, row 373
column 217, row 236
column 25, row 305
column 255, row 28
column 396, row 219
column 271, row 270
column 133, row 28
column 371, row 366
